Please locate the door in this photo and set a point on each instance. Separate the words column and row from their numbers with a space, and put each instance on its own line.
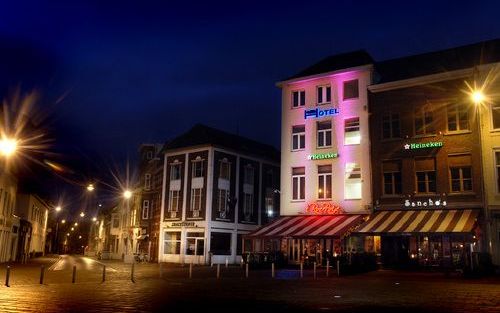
column 195, row 248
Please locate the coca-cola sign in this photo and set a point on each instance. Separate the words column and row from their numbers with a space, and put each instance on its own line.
column 323, row 208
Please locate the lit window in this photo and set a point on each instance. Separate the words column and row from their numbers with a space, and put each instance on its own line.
column 298, row 137
column 298, row 183
column 324, row 182
column 172, row 243
column 324, row 94
column 324, row 134
column 352, row 134
column 351, row 89
column 298, row 98
column 352, row 188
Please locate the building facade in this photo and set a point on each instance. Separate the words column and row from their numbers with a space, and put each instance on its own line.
column 35, row 211
column 9, row 224
column 216, row 188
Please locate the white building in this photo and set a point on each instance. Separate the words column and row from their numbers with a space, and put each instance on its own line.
column 34, row 210
column 216, row 188
column 9, row 225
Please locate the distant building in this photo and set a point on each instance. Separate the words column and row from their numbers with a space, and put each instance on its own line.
column 33, row 210
column 217, row 187
column 9, row 223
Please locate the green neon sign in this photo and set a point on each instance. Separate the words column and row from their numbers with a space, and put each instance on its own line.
column 425, row 145
column 322, row 156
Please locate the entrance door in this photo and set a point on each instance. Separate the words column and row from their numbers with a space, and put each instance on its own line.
column 195, row 248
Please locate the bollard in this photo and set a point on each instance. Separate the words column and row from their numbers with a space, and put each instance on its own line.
column 218, row 270
column 42, row 274
column 272, row 270
column 227, row 262
column 161, row 270
column 338, row 268
column 246, row 271
column 73, row 279
column 327, row 268
column 191, row 270
column 132, row 272
column 301, row 270
column 314, row 270
column 7, row 276
column 103, row 273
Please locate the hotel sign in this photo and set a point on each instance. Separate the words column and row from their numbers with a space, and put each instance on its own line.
column 322, row 156
column 315, row 113
column 425, row 145
column 323, row 208
column 425, row 203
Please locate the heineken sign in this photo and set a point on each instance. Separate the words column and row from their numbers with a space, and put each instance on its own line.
column 315, row 113
column 425, row 145
column 322, row 156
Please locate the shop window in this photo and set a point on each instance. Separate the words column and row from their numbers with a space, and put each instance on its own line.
column 224, row 169
column 352, row 184
column 220, row 243
column 195, row 243
column 424, row 122
column 352, row 135
column 298, row 137
column 390, row 126
column 324, row 94
column 298, row 98
column 324, row 134
column 298, row 183
column 351, row 89
column 175, row 171
column 425, row 172
column 458, row 117
column 460, row 173
column 172, row 243
column 392, row 177
column 324, row 182
column 495, row 115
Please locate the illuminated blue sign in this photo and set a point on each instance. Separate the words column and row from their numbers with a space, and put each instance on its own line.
column 315, row 113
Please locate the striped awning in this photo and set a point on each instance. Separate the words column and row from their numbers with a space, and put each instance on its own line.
column 420, row 221
column 309, row 226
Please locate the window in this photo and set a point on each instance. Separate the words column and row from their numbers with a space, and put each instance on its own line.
column 324, row 182
column 298, row 137
column 460, row 173
column 147, row 181
column 145, row 209
column 197, row 168
column 390, row 125
column 497, row 166
column 495, row 114
column 423, row 122
column 196, row 200
column 149, row 155
column 172, row 243
column 222, row 206
column 352, row 188
column 425, row 171
column 174, row 197
column 249, row 175
column 298, row 183
column 392, row 177
column 324, row 134
column 352, row 135
column 458, row 117
column 225, row 169
column 298, row 98
column 220, row 243
column 324, row 94
column 116, row 221
column 175, row 171
column 351, row 89
column 269, row 202
column 247, row 206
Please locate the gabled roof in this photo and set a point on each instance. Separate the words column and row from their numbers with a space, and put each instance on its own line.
column 437, row 62
column 336, row 62
column 203, row 135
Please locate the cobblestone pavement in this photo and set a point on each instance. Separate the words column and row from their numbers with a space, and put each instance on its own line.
column 380, row 291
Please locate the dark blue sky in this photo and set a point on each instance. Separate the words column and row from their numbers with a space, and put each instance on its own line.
column 144, row 71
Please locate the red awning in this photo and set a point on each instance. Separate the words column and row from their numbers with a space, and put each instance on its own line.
column 309, row 226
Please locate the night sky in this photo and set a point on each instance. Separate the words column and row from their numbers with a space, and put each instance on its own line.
column 113, row 75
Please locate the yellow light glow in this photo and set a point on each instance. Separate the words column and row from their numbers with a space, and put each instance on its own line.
column 8, row 146
column 58, row 208
column 127, row 194
column 63, row 221
column 82, row 214
column 76, row 224
column 72, row 228
column 90, row 187
column 94, row 219
column 477, row 96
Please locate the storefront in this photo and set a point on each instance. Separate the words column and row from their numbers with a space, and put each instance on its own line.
column 424, row 238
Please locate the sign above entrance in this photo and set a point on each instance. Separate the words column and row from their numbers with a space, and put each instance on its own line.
column 425, row 203
column 322, row 156
column 315, row 113
column 324, row 208
column 183, row 224
column 425, row 145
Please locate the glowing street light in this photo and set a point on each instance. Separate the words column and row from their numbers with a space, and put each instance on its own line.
column 76, row 224
column 72, row 228
column 90, row 187
column 79, row 237
column 63, row 221
column 94, row 219
column 58, row 209
column 477, row 96
column 8, row 146
column 82, row 214
column 67, row 234
column 127, row 194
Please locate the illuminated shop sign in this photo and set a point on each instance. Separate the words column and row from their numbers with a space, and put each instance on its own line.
column 322, row 156
column 425, row 203
column 425, row 145
column 183, row 224
column 323, row 208
column 315, row 113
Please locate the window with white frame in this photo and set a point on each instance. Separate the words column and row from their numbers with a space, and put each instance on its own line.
column 324, row 134
column 298, row 137
column 175, row 171
column 495, row 115
column 425, row 174
column 458, row 117
column 224, row 169
column 324, row 182
column 172, row 243
column 390, row 125
column 324, row 94
column 392, row 177
column 247, row 206
column 147, row 181
column 145, row 209
column 460, row 173
column 197, row 168
column 298, row 183
column 352, row 135
column 174, row 200
column 352, row 183
column 196, row 200
column 298, row 98
column 351, row 89
column 249, row 175
column 222, row 207
column 424, row 121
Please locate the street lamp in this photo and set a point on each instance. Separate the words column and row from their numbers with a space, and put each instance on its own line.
column 94, row 219
column 477, row 96
column 82, row 214
column 58, row 209
column 127, row 194
column 8, row 146
column 90, row 187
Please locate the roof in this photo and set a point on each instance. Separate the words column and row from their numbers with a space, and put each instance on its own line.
column 203, row 135
column 336, row 62
column 439, row 61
